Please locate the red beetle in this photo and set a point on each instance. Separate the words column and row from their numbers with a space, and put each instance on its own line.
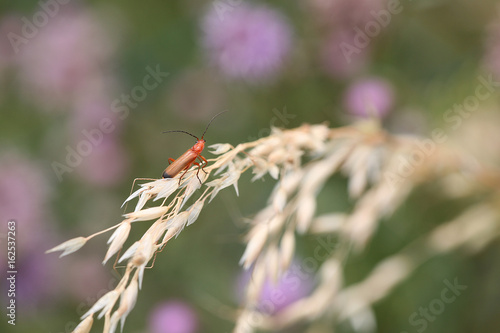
column 186, row 160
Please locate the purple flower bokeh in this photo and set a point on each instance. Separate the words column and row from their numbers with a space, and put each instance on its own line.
column 293, row 285
column 66, row 60
column 24, row 198
column 37, row 281
column 491, row 59
column 249, row 42
column 369, row 97
column 173, row 317
column 69, row 66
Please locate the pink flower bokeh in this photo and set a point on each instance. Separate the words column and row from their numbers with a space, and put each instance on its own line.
column 249, row 42
column 369, row 97
column 294, row 284
column 66, row 60
column 173, row 316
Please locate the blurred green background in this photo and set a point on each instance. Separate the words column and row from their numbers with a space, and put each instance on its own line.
column 67, row 76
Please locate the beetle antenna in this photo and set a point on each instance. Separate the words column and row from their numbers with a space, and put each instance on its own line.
column 183, row 132
column 218, row 114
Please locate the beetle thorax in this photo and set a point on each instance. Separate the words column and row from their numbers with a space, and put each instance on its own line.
column 198, row 146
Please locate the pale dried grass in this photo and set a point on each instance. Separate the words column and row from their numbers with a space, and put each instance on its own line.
column 301, row 161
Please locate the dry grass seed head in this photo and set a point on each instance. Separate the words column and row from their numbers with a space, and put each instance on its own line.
column 85, row 325
column 117, row 240
column 69, row 246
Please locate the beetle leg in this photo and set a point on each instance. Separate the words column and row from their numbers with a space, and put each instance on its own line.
column 203, row 159
column 170, row 161
column 197, row 172
column 187, row 169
